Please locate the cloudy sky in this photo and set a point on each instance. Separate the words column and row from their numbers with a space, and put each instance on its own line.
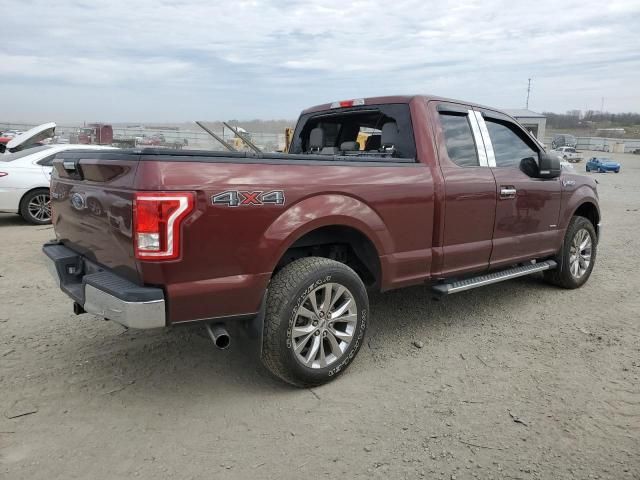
column 180, row 60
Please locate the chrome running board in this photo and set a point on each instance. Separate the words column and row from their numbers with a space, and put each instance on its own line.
column 489, row 278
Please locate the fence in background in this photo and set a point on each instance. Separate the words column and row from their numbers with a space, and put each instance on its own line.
column 193, row 139
column 603, row 144
column 197, row 139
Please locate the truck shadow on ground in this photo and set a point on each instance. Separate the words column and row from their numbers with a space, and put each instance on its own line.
column 183, row 361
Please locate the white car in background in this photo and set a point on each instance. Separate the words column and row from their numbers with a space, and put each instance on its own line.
column 569, row 154
column 24, row 180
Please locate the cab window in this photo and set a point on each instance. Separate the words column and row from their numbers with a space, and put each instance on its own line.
column 458, row 136
column 509, row 147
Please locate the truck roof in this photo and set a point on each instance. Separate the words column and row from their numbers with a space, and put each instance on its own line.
column 396, row 99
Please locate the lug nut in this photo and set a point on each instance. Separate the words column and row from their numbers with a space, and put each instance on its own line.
column 314, row 323
column 317, row 333
column 324, row 334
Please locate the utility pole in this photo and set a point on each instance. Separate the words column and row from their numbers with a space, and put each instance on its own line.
column 602, row 105
column 528, row 93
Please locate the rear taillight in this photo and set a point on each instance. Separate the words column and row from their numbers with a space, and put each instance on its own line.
column 157, row 218
column 3, row 174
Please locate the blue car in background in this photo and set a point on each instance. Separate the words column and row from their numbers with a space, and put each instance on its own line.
column 600, row 164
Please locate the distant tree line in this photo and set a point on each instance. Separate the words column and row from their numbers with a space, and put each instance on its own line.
column 590, row 119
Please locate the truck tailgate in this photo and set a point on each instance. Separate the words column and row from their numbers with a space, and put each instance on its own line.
column 92, row 199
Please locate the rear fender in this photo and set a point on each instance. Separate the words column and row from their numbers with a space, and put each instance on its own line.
column 323, row 211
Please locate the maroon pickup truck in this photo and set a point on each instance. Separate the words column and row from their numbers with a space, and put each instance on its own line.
column 440, row 191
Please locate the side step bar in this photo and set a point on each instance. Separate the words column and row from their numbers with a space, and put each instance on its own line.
column 489, row 278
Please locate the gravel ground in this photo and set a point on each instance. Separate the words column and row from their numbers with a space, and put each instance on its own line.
column 515, row 380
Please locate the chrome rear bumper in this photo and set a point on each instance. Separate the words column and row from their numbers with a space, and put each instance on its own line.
column 103, row 293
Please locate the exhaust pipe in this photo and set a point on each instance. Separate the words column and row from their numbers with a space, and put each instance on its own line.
column 219, row 335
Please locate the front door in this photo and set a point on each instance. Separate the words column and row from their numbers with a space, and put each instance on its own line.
column 527, row 210
column 470, row 192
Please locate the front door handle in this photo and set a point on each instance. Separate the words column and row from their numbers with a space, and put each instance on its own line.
column 508, row 192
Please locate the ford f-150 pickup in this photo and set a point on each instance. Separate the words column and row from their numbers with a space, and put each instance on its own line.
column 436, row 191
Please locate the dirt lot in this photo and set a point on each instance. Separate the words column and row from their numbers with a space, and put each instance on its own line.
column 516, row 380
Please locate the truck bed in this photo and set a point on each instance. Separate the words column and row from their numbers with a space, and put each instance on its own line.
column 222, row 273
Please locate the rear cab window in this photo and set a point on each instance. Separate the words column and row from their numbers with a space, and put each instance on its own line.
column 363, row 133
column 461, row 146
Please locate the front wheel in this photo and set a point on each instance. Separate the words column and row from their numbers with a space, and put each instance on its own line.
column 316, row 317
column 35, row 207
column 577, row 257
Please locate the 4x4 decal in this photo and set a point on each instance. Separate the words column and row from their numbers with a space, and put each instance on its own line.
column 238, row 198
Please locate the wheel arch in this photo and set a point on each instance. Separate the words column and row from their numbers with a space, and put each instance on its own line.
column 339, row 242
column 318, row 224
column 589, row 210
column 31, row 190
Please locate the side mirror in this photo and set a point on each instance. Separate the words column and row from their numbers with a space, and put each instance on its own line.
column 549, row 166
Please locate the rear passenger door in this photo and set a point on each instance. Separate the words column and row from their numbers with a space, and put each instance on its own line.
column 526, row 222
column 470, row 191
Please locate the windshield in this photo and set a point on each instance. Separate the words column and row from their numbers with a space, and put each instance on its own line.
column 23, row 153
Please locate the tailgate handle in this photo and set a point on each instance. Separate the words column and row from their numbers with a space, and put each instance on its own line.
column 69, row 165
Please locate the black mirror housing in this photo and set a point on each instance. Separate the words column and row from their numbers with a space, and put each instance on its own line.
column 549, row 166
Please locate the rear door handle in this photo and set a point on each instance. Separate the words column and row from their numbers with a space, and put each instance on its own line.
column 508, row 192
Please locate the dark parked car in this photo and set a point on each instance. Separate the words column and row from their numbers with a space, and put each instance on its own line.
column 563, row 140
column 601, row 164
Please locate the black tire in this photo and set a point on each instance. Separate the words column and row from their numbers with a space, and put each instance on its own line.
column 288, row 291
column 28, row 213
column 562, row 276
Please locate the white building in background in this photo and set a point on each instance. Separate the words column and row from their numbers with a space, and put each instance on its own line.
column 536, row 123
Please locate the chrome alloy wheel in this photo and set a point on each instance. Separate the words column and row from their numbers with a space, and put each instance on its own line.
column 40, row 207
column 324, row 326
column 580, row 253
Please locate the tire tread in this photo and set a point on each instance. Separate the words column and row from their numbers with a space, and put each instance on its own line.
column 281, row 290
column 561, row 276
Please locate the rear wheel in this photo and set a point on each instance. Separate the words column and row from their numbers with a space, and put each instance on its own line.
column 577, row 257
column 316, row 317
column 35, row 207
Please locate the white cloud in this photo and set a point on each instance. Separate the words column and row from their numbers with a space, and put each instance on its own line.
column 272, row 58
